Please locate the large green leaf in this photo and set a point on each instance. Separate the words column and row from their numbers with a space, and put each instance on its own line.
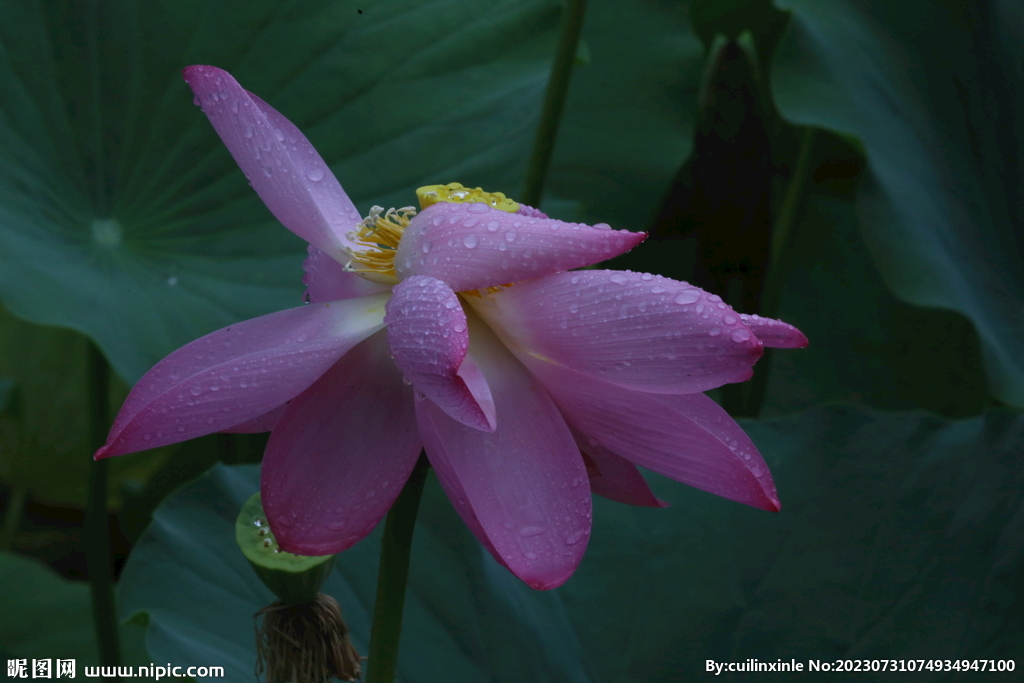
column 899, row 537
column 866, row 345
column 44, row 430
column 932, row 90
column 466, row 618
column 48, row 617
column 629, row 116
column 123, row 216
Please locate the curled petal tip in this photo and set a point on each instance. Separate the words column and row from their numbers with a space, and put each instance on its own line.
column 101, row 452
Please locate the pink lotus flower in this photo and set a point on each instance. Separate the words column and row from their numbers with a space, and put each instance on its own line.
column 526, row 398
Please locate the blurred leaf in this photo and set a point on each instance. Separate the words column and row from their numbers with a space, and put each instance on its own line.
column 123, row 216
column 467, row 619
column 47, row 617
column 45, row 446
column 7, row 385
column 866, row 345
column 933, row 91
column 629, row 117
column 900, row 537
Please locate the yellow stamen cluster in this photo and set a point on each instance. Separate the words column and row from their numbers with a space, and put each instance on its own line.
column 455, row 192
column 379, row 235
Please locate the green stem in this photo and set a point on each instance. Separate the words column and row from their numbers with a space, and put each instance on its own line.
column 97, row 529
column 782, row 231
column 392, row 578
column 748, row 397
column 12, row 517
column 554, row 101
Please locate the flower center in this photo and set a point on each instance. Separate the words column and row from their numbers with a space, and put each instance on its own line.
column 377, row 236
column 455, row 192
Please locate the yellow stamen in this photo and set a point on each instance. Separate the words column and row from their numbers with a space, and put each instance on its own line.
column 379, row 235
column 455, row 192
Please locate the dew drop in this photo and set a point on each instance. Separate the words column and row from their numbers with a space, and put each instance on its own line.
column 715, row 331
column 470, row 241
column 511, row 236
column 575, row 538
column 315, row 174
column 531, row 556
column 196, row 390
column 248, row 131
column 730, row 320
column 532, row 530
column 740, row 335
column 618, row 279
column 493, row 226
column 688, row 297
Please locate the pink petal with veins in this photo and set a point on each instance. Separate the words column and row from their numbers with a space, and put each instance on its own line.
column 327, row 280
column 239, row 373
column 341, row 454
column 429, row 337
column 280, row 163
column 635, row 330
column 616, row 478
column 263, row 423
column 775, row 334
column 689, row 438
column 472, row 246
column 521, row 489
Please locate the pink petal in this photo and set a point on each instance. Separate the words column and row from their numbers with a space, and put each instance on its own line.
column 238, row 373
column 689, row 437
column 262, row 423
column 280, row 163
column 341, row 454
column 327, row 280
column 616, row 478
column 521, row 489
column 428, row 337
column 471, row 246
column 635, row 330
column 773, row 333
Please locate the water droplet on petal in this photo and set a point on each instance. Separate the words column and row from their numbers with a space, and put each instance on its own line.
column 471, row 240
column 740, row 335
column 575, row 538
column 688, row 297
column 532, row 530
column 315, row 174
column 715, row 331
column 493, row 226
